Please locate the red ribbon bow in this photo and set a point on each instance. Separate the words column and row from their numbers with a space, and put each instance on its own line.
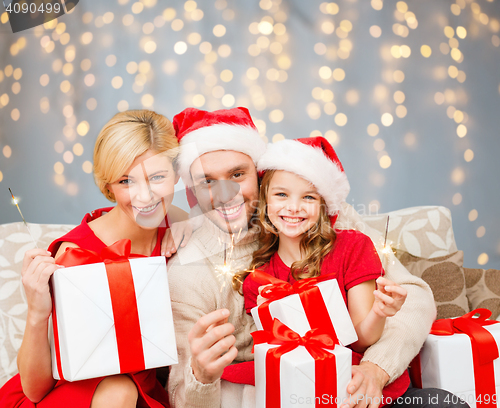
column 483, row 343
column 315, row 341
column 310, row 297
column 484, row 351
column 123, row 301
column 119, row 251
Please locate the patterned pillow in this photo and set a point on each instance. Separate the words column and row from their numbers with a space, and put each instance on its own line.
column 422, row 231
column 446, row 278
column 483, row 289
column 14, row 242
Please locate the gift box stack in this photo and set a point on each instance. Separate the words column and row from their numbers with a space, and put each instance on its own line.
column 461, row 356
column 300, row 354
column 111, row 315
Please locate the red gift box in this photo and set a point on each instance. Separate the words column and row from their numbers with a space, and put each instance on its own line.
column 307, row 304
column 110, row 314
column 309, row 371
column 461, row 356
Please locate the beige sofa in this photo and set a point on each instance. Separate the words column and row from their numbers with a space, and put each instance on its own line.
column 422, row 238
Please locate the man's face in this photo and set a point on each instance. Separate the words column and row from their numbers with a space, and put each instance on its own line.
column 226, row 187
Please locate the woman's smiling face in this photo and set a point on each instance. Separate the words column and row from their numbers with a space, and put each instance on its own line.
column 144, row 193
column 293, row 204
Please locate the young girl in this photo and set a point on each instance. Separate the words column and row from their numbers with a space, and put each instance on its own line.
column 301, row 194
column 134, row 166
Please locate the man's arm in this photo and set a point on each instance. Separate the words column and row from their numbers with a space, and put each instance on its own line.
column 405, row 333
column 401, row 340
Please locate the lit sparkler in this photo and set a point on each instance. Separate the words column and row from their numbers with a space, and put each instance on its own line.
column 15, row 201
column 225, row 272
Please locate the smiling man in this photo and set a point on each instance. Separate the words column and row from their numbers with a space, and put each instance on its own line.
column 217, row 162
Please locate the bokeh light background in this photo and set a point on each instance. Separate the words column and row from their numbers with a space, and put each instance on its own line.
column 407, row 92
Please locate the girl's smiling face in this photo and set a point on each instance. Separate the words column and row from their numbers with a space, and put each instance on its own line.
column 144, row 193
column 293, row 204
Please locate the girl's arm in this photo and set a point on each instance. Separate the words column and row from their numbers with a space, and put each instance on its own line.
column 369, row 307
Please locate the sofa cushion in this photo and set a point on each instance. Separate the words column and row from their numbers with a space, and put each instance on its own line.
column 483, row 289
column 446, row 278
column 421, row 231
column 14, row 242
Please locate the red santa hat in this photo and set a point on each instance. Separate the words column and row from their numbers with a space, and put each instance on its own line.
column 200, row 132
column 315, row 160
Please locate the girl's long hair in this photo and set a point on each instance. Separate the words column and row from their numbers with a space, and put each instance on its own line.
column 314, row 245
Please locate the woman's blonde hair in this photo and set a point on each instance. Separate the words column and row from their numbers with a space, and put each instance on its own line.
column 126, row 136
column 314, row 245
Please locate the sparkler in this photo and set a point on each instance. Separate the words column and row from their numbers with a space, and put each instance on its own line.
column 225, row 254
column 386, row 230
column 15, row 201
column 225, row 271
column 386, row 249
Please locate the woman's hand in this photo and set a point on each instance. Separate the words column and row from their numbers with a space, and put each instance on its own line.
column 177, row 235
column 260, row 298
column 38, row 267
column 33, row 359
column 389, row 297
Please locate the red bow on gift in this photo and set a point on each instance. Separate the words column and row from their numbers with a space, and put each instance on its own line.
column 309, row 293
column 280, row 288
column 119, row 251
column 483, row 343
column 484, row 351
column 315, row 341
column 123, row 301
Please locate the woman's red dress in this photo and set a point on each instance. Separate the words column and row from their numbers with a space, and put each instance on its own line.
column 79, row 394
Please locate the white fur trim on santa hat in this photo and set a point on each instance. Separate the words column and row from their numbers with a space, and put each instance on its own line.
column 311, row 164
column 243, row 139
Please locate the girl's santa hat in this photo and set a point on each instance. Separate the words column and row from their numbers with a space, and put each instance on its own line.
column 200, row 132
column 315, row 160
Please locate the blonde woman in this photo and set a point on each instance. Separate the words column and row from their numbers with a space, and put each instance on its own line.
column 134, row 166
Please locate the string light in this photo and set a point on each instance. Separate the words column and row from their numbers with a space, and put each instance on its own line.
column 271, row 64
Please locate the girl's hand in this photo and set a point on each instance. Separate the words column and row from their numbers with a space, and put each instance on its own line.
column 38, row 267
column 177, row 235
column 389, row 297
column 261, row 299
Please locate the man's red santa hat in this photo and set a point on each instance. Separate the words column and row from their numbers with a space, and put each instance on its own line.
column 315, row 160
column 200, row 132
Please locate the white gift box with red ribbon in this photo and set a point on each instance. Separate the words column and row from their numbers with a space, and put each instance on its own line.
column 105, row 325
column 289, row 379
column 327, row 306
column 462, row 357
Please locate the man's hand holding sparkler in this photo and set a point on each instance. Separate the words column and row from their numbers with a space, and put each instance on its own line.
column 212, row 347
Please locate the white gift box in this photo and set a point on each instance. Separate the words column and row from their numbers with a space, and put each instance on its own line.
column 297, row 377
column 85, row 322
column 447, row 363
column 290, row 311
